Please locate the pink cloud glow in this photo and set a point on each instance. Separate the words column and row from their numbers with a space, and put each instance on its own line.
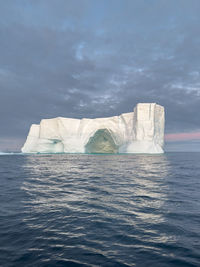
column 182, row 136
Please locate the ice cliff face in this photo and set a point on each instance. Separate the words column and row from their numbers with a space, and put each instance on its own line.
column 141, row 131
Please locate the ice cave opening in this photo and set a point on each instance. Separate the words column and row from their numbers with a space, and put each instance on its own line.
column 101, row 142
column 56, row 146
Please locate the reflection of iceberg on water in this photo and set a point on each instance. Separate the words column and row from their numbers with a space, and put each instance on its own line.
column 140, row 131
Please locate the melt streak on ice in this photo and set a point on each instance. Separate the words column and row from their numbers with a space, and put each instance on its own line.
column 140, row 131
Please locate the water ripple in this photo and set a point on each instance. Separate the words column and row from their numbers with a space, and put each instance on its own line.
column 100, row 210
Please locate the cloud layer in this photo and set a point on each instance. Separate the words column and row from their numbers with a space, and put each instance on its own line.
column 98, row 58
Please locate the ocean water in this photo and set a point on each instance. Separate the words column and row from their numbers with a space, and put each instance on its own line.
column 100, row 210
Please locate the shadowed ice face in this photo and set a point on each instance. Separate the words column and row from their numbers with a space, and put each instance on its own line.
column 101, row 142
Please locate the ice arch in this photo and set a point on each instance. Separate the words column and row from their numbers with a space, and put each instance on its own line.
column 101, row 142
column 140, row 131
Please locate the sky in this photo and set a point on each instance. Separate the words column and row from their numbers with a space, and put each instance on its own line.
column 97, row 58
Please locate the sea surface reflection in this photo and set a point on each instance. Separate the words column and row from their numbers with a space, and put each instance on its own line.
column 106, row 210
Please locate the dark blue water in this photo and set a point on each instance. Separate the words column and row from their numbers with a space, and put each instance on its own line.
column 100, row 210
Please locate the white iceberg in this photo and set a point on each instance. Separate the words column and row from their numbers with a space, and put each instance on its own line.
column 140, row 131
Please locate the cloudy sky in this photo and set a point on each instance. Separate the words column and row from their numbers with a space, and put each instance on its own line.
column 94, row 58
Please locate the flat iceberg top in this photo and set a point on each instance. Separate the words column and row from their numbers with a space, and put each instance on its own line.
column 129, row 114
column 140, row 131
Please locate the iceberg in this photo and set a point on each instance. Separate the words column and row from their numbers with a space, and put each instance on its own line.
column 140, row 131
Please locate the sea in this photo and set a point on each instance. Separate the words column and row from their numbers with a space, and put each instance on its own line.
column 100, row 210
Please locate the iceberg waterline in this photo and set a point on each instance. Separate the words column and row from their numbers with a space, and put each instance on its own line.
column 140, row 131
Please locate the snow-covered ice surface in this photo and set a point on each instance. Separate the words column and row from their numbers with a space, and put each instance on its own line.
column 140, row 131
